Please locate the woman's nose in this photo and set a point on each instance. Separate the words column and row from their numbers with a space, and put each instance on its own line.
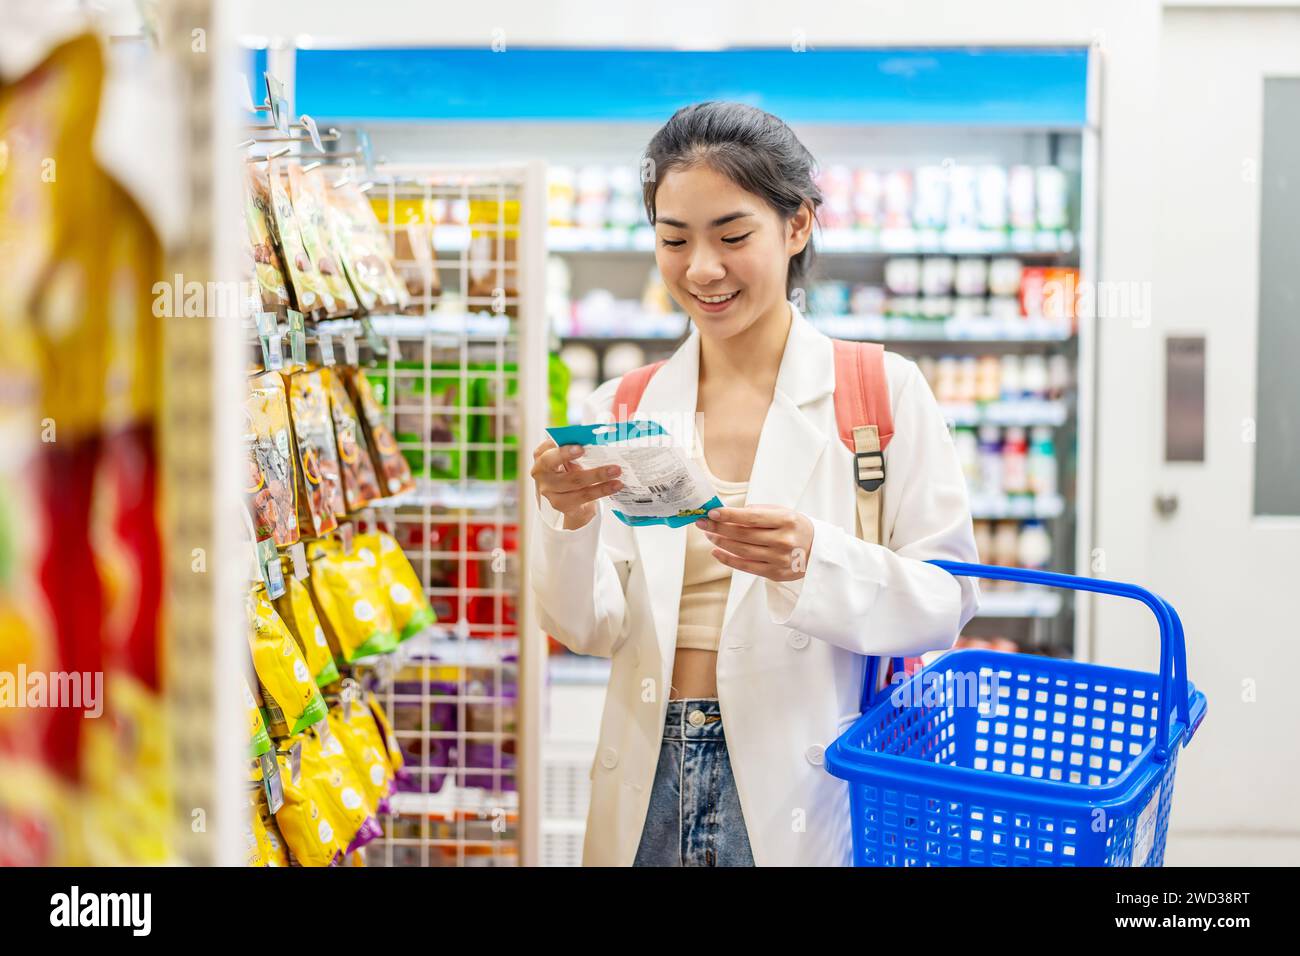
column 705, row 267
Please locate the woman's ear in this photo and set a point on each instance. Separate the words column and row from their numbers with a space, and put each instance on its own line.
column 798, row 230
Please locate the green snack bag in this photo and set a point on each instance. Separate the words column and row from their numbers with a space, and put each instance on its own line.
column 499, row 414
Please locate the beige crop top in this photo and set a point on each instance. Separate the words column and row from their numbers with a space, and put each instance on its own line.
column 705, row 580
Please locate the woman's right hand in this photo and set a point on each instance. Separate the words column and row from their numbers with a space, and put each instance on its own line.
column 571, row 490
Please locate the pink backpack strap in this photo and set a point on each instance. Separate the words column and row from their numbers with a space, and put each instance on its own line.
column 861, row 390
column 630, row 389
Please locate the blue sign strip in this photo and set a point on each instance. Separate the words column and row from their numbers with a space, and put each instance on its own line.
column 1039, row 87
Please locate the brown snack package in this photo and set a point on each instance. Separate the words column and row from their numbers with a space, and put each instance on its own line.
column 320, row 481
column 314, row 300
column 266, row 257
column 413, row 249
column 390, row 464
column 368, row 257
column 360, row 487
column 307, row 190
column 269, row 491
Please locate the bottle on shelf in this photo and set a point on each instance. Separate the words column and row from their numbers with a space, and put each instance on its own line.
column 1015, row 472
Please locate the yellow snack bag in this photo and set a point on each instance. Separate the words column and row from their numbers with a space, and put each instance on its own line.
column 259, row 741
column 308, row 830
column 354, row 610
column 326, row 767
column 276, row 853
column 393, row 748
column 365, row 752
column 296, row 609
column 256, row 847
column 406, row 598
column 292, row 699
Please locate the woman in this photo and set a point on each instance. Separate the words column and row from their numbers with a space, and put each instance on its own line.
column 695, row 646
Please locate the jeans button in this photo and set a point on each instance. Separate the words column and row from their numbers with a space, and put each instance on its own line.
column 696, row 718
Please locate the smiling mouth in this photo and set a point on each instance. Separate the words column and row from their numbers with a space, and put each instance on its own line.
column 716, row 299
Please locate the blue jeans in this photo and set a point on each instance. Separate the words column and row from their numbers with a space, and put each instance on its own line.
column 694, row 817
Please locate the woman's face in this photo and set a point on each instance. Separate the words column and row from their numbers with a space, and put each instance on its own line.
column 723, row 252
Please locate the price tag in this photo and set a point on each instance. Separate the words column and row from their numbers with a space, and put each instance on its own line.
column 268, row 560
column 271, row 782
column 350, row 348
column 275, row 96
column 345, row 536
column 268, row 332
column 297, row 339
column 309, row 125
column 373, row 338
column 323, row 732
column 295, row 762
column 298, row 555
column 326, row 348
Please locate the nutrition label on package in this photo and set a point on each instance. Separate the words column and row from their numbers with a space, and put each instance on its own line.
column 657, row 481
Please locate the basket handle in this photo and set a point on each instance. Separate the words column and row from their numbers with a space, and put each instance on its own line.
column 1173, row 650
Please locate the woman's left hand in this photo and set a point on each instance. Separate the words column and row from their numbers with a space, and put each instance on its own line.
column 767, row 540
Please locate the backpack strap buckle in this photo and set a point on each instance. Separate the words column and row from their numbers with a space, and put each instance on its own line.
column 868, row 459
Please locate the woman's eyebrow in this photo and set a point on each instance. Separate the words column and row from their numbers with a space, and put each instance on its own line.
column 720, row 221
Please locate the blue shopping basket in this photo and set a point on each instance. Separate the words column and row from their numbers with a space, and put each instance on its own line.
column 986, row 758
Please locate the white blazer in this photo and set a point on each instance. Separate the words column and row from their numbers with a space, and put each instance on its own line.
column 790, row 659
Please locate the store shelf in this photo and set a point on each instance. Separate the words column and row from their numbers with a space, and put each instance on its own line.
column 469, row 495
column 1026, row 603
column 569, row 239
column 472, row 324
column 453, row 801
column 578, row 669
column 880, row 328
column 1016, row 506
column 1025, row 412
column 866, row 328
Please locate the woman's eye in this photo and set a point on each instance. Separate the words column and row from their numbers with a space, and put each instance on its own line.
column 738, row 238
column 674, row 242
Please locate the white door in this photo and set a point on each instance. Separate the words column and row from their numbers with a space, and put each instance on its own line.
column 1233, row 574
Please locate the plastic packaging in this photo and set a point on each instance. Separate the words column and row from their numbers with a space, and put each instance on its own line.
column 351, row 604
column 398, row 580
column 270, row 492
column 292, row 699
column 320, row 483
column 298, row 612
column 662, row 483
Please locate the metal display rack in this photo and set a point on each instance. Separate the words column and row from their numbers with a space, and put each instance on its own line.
column 464, row 698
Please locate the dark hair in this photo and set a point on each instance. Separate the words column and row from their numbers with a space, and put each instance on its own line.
column 754, row 149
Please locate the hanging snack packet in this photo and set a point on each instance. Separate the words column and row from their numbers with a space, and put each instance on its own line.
column 391, row 466
column 500, row 426
column 266, row 258
column 320, row 483
column 360, row 487
column 368, row 256
column 256, row 847
column 296, row 609
column 395, row 756
column 276, row 853
column 292, row 700
column 314, row 300
column 661, row 483
column 304, row 823
column 307, row 189
column 351, row 604
column 406, row 598
column 259, row 741
column 326, row 766
column 369, row 762
column 271, row 472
